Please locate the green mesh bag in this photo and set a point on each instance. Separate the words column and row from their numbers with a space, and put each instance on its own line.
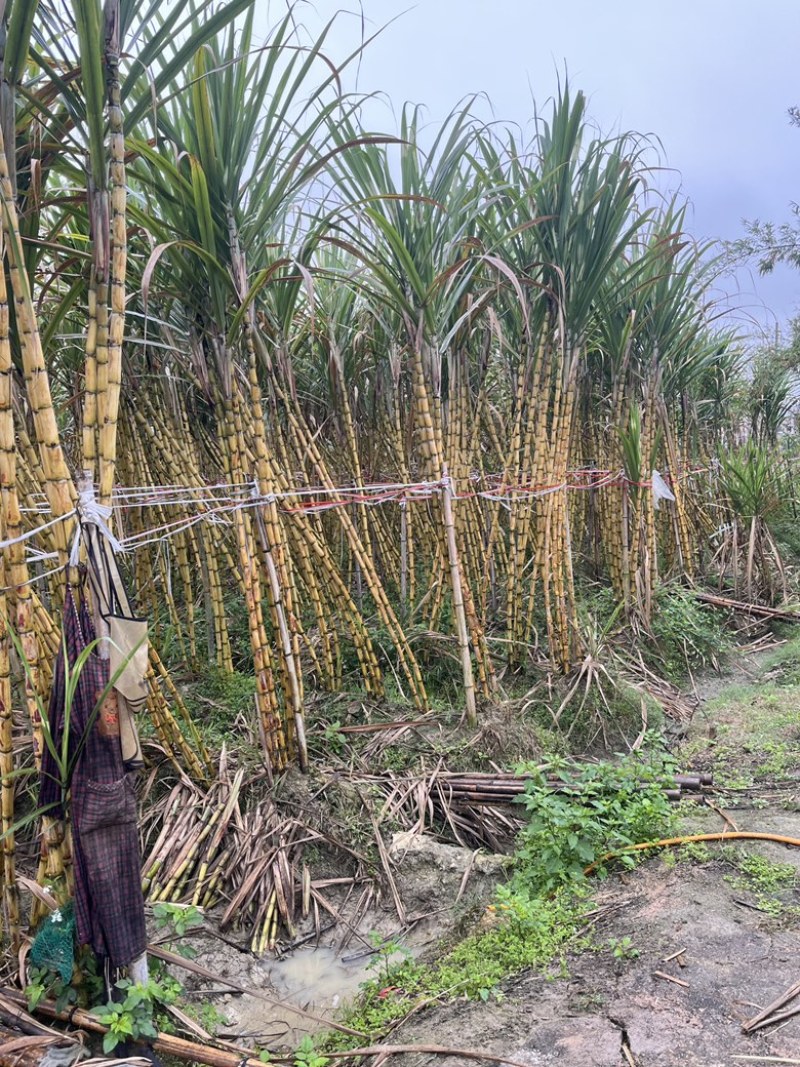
column 54, row 944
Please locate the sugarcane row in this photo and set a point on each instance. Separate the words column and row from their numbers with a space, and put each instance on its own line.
column 568, row 338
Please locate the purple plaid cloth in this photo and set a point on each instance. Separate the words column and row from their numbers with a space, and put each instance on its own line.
column 109, row 908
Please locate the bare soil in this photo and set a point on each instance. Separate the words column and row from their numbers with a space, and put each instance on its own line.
column 734, row 961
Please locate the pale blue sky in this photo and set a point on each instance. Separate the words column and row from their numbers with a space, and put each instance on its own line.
column 712, row 79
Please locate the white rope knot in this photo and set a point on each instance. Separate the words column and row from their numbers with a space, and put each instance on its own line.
column 263, row 498
column 91, row 513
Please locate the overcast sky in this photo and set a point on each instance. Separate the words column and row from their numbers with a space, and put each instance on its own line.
column 711, row 79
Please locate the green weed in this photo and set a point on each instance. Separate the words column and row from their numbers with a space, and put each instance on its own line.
column 687, row 635
column 133, row 1017
column 179, row 918
column 218, row 699
column 623, row 948
column 597, row 808
column 693, row 852
column 767, row 882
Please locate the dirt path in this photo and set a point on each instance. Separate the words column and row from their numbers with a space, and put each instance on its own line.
column 734, row 919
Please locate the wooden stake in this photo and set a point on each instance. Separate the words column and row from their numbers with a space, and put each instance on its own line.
column 404, row 554
column 458, row 598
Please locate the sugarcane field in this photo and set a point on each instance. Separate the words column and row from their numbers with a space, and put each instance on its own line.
column 399, row 534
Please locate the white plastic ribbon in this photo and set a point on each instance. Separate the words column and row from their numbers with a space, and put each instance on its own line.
column 661, row 491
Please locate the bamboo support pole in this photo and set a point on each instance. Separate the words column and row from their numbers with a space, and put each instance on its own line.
column 458, row 599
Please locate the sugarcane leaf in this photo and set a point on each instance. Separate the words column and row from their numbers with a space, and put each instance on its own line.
column 88, row 25
column 21, row 16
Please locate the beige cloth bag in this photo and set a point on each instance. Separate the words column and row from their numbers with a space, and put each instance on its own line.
column 129, row 658
column 128, row 645
column 128, row 669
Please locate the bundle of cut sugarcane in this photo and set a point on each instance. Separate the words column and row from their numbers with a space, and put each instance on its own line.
column 473, row 807
column 490, row 789
column 188, row 859
column 209, row 851
column 262, row 875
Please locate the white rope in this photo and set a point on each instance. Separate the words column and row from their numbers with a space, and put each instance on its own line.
column 513, row 496
column 36, row 578
column 37, row 530
column 220, row 501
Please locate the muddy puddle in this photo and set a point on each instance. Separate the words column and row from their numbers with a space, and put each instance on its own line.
column 313, row 981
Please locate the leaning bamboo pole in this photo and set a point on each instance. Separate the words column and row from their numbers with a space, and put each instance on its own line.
column 7, row 763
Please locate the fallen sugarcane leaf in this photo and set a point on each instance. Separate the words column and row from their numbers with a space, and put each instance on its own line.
column 773, row 1020
column 22, row 1044
column 723, row 815
column 13, row 1014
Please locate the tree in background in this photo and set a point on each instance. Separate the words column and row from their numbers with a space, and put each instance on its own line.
column 769, row 243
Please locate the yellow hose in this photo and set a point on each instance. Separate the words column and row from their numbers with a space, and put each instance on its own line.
column 666, row 842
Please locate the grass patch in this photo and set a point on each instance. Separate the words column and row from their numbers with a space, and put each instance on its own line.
column 218, row 700
column 518, row 931
column 751, row 731
column 767, row 882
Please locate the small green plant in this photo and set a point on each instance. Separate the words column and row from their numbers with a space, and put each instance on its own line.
column 623, row 948
column 178, row 918
column 384, row 963
column 333, row 737
column 306, row 1055
column 83, row 990
column 694, row 852
column 211, row 1017
column 133, row 1016
column 46, row 983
